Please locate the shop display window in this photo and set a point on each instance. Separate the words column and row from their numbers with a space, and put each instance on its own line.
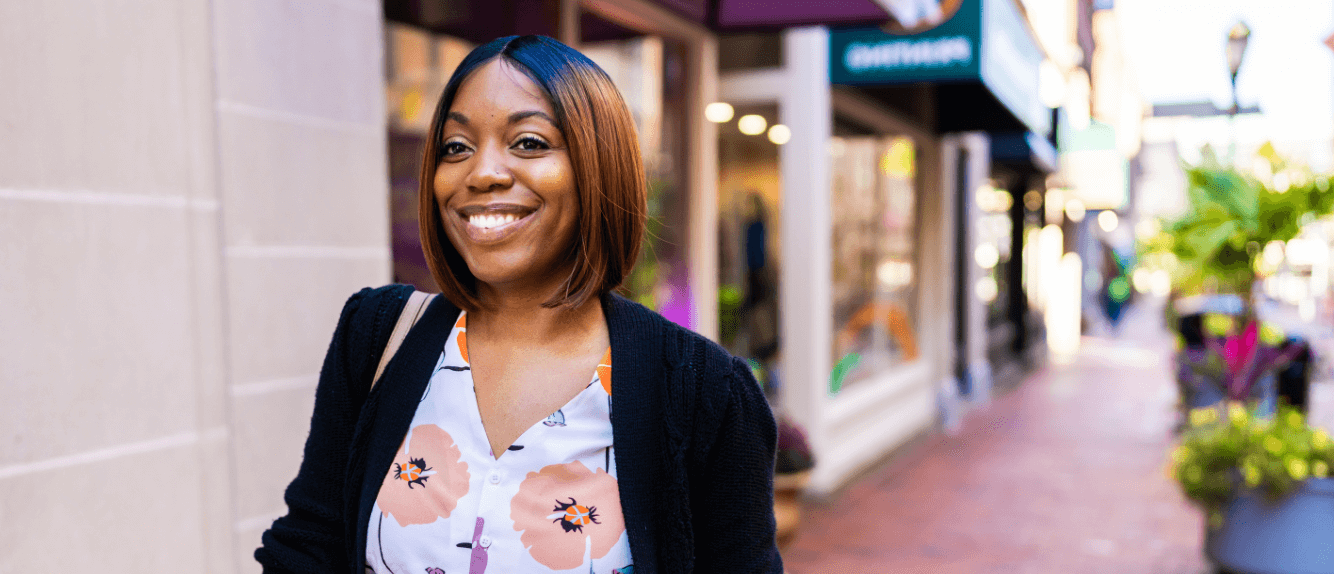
column 649, row 72
column 749, row 197
column 873, row 210
column 992, row 252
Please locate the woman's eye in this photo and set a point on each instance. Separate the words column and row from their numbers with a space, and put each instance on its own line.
column 531, row 144
column 453, row 148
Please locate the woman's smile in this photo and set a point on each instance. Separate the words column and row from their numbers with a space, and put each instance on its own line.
column 494, row 223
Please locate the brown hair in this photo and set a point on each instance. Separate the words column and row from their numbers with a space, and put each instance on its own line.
column 604, row 151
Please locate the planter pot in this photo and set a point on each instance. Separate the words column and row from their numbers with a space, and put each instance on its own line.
column 1294, row 535
column 787, row 503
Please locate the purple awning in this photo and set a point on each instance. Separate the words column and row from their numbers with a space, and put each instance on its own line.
column 784, row 13
column 483, row 20
column 738, row 15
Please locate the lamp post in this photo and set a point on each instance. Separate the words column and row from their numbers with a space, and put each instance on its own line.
column 1236, row 49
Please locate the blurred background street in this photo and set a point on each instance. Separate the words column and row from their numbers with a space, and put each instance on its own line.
column 1064, row 474
column 1031, row 285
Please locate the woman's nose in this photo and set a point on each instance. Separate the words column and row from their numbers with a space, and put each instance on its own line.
column 490, row 172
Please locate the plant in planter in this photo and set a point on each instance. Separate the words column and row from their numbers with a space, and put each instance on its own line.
column 1264, row 484
column 1221, row 453
column 792, row 463
column 1234, row 364
column 1215, row 247
column 792, row 471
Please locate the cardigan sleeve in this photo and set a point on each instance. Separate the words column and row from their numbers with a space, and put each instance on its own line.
column 734, row 497
column 311, row 537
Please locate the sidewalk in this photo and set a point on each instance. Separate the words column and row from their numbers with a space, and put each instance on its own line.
column 1066, row 474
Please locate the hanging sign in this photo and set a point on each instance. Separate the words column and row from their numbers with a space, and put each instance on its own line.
column 950, row 41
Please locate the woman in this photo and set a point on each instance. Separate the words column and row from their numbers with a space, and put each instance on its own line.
column 532, row 420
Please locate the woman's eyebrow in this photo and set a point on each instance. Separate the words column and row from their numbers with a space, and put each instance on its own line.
column 458, row 117
column 517, row 117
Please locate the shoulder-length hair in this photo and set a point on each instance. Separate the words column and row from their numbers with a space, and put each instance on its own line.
column 604, row 152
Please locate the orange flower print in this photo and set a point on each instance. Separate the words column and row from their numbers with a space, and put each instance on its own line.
column 565, row 511
column 426, row 479
column 604, row 372
column 462, row 326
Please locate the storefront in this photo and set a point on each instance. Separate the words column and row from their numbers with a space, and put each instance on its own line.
column 902, row 216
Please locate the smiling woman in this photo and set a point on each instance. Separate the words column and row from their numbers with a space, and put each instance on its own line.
column 531, row 420
column 543, row 104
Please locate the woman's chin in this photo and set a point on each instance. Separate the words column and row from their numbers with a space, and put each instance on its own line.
column 513, row 279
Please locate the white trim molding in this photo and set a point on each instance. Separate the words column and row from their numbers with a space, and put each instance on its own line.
column 99, row 455
column 91, row 197
column 307, row 252
column 256, row 388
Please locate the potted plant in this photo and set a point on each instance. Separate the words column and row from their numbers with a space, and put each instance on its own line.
column 1215, row 247
column 1235, row 364
column 1264, row 485
column 792, row 471
column 792, row 462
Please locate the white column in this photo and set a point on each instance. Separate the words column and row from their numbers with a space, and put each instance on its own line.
column 703, row 184
column 804, row 284
column 975, row 348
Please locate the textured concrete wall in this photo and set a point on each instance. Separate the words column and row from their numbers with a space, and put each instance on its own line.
column 188, row 191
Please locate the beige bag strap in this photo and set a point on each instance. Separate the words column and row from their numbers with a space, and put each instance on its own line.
column 411, row 313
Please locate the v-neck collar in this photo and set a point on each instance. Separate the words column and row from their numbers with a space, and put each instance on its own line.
column 475, row 410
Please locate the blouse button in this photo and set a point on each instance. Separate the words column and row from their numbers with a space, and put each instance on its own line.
column 484, row 541
column 495, row 477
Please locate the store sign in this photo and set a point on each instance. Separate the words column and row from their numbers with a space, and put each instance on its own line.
column 903, row 54
column 940, row 44
column 984, row 41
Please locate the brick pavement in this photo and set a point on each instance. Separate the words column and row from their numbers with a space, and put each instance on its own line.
column 1063, row 475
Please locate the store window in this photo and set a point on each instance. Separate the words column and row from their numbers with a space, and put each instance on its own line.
column 992, row 253
column 649, row 71
column 749, row 197
column 874, row 255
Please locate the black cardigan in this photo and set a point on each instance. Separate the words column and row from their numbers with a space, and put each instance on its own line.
column 694, row 442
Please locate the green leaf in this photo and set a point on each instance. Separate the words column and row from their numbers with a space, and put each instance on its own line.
column 1205, row 239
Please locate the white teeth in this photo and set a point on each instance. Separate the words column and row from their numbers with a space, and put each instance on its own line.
column 491, row 221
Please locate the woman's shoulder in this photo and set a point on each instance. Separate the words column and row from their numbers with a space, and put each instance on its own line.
column 678, row 346
column 369, row 315
column 370, row 306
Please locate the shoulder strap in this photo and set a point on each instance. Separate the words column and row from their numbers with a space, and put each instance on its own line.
column 416, row 305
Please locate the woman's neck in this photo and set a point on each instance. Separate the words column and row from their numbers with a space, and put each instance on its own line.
column 523, row 318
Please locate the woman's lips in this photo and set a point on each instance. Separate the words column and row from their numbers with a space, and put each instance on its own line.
column 491, row 225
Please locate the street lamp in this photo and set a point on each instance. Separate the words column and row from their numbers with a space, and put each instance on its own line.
column 1236, row 49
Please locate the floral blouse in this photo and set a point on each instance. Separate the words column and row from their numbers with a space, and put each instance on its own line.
column 549, row 503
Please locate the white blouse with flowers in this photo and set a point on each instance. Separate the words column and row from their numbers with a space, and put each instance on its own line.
column 549, row 503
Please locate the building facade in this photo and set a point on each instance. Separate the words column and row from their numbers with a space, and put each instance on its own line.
column 911, row 188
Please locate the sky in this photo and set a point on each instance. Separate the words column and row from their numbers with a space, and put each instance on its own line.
column 1177, row 50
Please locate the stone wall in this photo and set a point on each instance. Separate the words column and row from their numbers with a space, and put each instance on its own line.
column 188, row 192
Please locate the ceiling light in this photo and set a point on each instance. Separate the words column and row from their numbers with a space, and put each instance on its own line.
column 718, row 112
column 752, row 125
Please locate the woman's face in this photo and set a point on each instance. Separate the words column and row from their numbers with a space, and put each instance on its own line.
column 505, row 184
